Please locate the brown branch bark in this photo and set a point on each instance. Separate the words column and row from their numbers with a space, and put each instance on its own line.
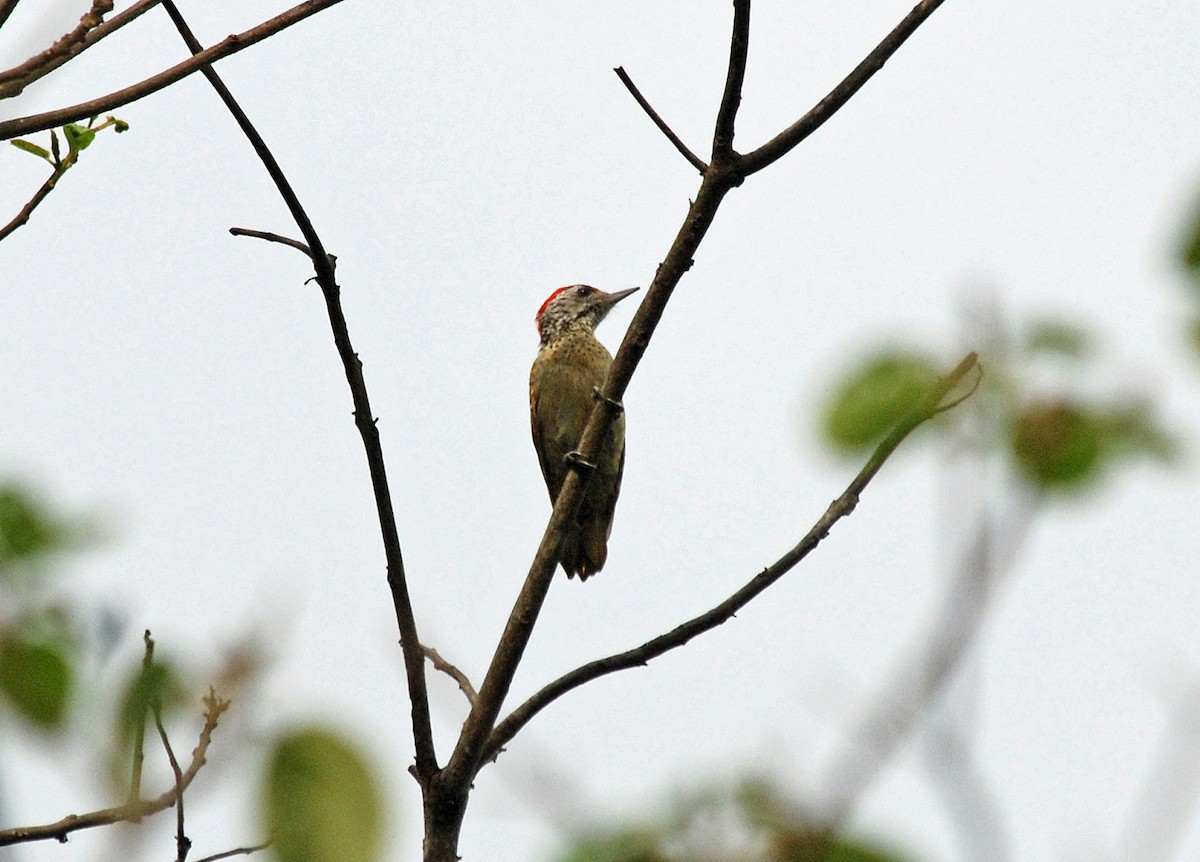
column 224, row 48
column 6, row 9
column 131, row 811
column 22, row 218
column 64, row 48
column 14, row 81
column 364, row 420
column 693, row 159
column 783, row 143
column 680, row 635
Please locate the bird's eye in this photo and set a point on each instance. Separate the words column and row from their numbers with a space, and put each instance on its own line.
column 582, row 291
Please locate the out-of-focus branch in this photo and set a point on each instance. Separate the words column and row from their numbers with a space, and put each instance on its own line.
column 931, row 405
column 14, row 81
column 131, row 811
column 439, row 663
column 364, row 420
column 227, row 46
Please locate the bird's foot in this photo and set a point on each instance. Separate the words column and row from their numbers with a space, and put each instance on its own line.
column 614, row 405
column 576, row 461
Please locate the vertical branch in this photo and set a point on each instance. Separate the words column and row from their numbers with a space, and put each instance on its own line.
column 731, row 99
column 364, row 420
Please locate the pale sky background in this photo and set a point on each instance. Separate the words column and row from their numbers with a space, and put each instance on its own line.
column 463, row 160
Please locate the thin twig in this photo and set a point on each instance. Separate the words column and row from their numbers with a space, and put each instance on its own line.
column 240, row 851
column 272, row 237
column 182, row 843
column 63, row 49
column 132, row 811
column 680, row 635
column 453, row 672
column 227, row 46
column 139, row 732
column 364, row 420
column 786, row 140
column 22, row 217
column 693, row 159
column 14, row 81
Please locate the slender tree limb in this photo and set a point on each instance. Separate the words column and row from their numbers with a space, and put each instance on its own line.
column 439, row 663
column 692, row 158
column 272, row 237
column 6, row 9
column 131, row 811
column 64, row 48
column 22, row 218
column 785, row 141
column 731, row 98
column 239, row 851
column 227, row 46
column 182, row 843
column 14, row 81
column 680, row 635
column 414, row 659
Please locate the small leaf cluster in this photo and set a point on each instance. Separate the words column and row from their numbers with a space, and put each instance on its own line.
column 1189, row 261
column 78, row 138
column 1057, row 438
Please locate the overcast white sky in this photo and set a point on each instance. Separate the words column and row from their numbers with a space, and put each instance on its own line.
column 462, row 160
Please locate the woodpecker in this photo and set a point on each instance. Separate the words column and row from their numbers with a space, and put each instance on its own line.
column 564, row 382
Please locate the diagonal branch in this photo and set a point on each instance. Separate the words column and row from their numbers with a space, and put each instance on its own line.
column 6, row 9
column 132, row 811
column 66, row 47
column 692, row 158
column 680, row 635
column 364, row 420
column 227, row 46
column 14, row 81
column 785, row 141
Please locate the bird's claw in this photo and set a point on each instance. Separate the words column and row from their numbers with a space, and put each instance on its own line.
column 614, row 405
column 576, row 461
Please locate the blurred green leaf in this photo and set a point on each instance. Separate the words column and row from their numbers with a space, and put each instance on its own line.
column 156, row 685
column 321, row 800
column 30, row 147
column 79, row 137
column 37, row 679
column 1057, row 445
column 633, row 845
column 120, row 126
column 1057, row 337
column 27, row 528
column 874, row 396
column 1189, row 253
column 1194, row 333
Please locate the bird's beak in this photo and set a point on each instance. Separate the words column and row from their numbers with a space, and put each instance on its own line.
column 611, row 299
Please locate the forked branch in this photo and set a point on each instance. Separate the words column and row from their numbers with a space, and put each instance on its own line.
column 932, row 404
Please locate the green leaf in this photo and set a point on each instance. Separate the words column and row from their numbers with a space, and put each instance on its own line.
column 1189, row 252
column 27, row 529
column 874, row 396
column 154, row 686
column 30, row 147
column 1057, row 445
column 79, row 137
column 37, row 679
column 634, row 845
column 321, row 800
column 1052, row 336
column 120, row 126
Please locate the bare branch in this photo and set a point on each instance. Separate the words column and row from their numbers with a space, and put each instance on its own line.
column 6, row 8
column 272, row 237
column 731, row 99
column 22, row 217
column 182, row 843
column 439, row 663
column 227, row 46
column 785, row 141
column 132, row 811
column 240, row 851
column 14, row 81
column 692, row 158
column 414, row 660
column 680, row 635
column 63, row 49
